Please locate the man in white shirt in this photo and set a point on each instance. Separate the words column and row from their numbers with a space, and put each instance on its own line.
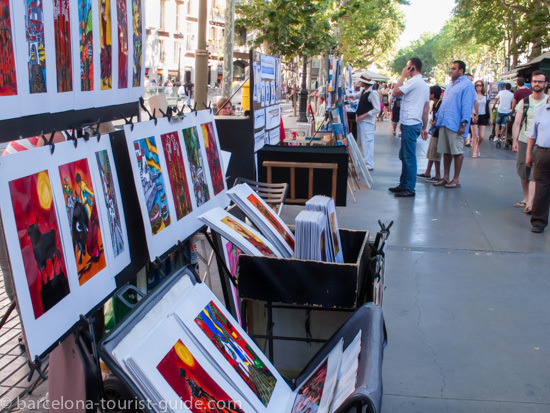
column 504, row 101
column 415, row 107
column 367, row 109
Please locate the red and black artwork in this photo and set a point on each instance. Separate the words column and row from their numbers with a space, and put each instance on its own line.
column 63, row 58
column 8, row 80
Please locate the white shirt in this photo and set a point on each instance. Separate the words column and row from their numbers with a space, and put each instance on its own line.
column 415, row 94
column 505, row 98
column 540, row 130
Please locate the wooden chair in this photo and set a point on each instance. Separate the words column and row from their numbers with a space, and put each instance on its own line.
column 273, row 194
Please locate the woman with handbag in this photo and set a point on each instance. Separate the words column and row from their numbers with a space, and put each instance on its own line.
column 480, row 118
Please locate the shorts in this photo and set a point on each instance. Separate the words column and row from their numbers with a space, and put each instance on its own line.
column 482, row 120
column 501, row 118
column 524, row 172
column 450, row 142
column 432, row 153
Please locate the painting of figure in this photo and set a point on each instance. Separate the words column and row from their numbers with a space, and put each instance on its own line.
column 256, row 203
column 192, row 383
column 63, row 57
column 8, row 78
column 213, row 156
column 36, row 45
column 176, row 173
column 138, row 41
column 309, row 395
column 234, row 348
column 249, row 236
column 111, row 201
column 85, row 25
column 40, row 242
column 196, row 165
column 152, row 183
column 105, row 44
column 81, row 208
column 122, row 19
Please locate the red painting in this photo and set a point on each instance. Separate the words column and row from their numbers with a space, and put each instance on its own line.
column 105, row 45
column 309, row 395
column 8, row 80
column 213, row 156
column 40, row 242
column 249, row 236
column 176, row 172
column 195, row 387
column 63, row 60
column 83, row 219
column 256, row 203
column 234, row 348
column 122, row 18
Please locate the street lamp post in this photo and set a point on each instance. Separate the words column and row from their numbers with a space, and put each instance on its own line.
column 303, row 94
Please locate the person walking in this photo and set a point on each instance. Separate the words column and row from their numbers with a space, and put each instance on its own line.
column 504, row 101
column 525, row 111
column 453, row 121
column 367, row 109
column 434, row 157
column 415, row 107
column 482, row 117
column 540, row 135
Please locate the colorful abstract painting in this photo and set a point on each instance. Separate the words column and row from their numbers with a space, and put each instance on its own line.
column 63, row 56
column 237, row 352
column 122, row 19
column 8, row 78
column 191, row 382
column 85, row 24
column 196, row 165
column 81, row 208
column 309, row 396
column 152, row 183
column 105, row 44
column 137, row 41
column 34, row 28
column 249, row 236
column 233, row 253
column 40, row 242
column 256, row 203
column 111, row 201
column 213, row 156
column 176, row 173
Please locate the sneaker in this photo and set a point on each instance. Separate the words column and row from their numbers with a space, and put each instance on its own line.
column 396, row 189
column 537, row 230
column 404, row 194
column 433, row 180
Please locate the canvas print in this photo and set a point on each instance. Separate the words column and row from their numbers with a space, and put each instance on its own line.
column 36, row 47
column 237, row 352
column 196, row 165
column 193, row 384
column 213, row 156
column 137, row 42
column 249, row 236
column 111, row 201
column 63, row 55
column 40, row 242
column 176, row 173
column 309, row 396
column 81, row 208
column 8, row 78
column 85, row 24
column 152, row 183
column 105, row 43
column 289, row 239
column 122, row 19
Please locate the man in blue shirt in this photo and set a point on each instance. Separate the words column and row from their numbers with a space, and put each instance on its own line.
column 453, row 121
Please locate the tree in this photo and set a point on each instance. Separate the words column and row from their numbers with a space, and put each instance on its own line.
column 368, row 29
column 421, row 48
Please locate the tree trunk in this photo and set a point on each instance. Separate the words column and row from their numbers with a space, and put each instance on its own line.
column 228, row 48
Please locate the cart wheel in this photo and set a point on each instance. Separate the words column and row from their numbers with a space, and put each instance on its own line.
column 118, row 398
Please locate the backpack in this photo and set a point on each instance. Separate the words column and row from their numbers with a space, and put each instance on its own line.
column 525, row 110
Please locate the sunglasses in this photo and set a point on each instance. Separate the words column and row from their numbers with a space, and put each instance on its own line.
column 478, row 85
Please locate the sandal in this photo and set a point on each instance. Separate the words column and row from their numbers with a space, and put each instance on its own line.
column 528, row 210
column 423, row 175
column 441, row 183
column 520, row 204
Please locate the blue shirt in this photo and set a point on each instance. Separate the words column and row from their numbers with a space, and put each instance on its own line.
column 457, row 104
column 540, row 129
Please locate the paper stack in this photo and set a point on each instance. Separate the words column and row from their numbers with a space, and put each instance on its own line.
column 326, row 205
column 263, row 217
column 311, row 236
